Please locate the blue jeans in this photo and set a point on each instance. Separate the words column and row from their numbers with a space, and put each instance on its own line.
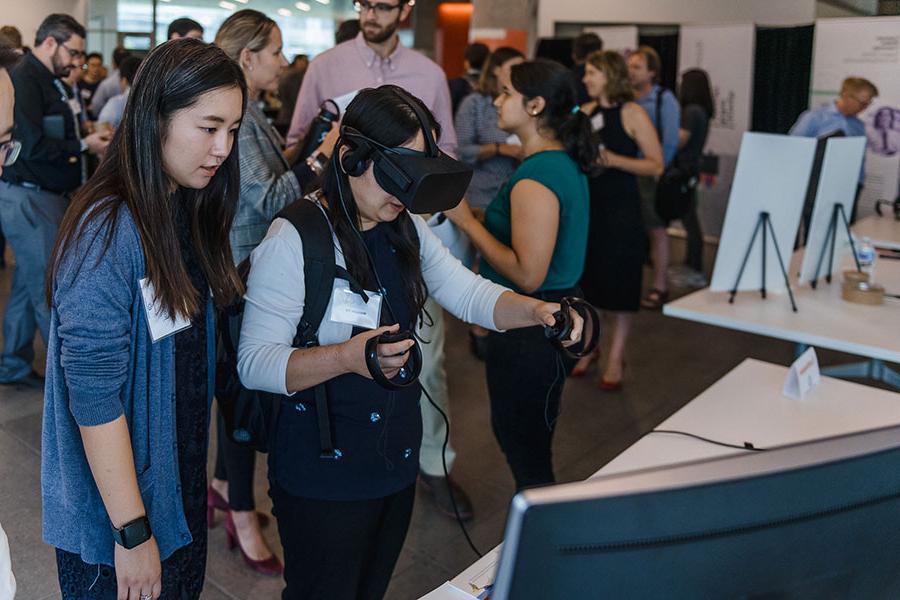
column 30, row 220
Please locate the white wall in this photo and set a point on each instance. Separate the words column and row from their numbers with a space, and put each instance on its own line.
column 761, row 12
column 28, row 14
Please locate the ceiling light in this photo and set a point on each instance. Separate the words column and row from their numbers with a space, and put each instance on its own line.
column 227, row 5
column 242, row 1
column 303, row 6
column 284, row 12
column 319, row 1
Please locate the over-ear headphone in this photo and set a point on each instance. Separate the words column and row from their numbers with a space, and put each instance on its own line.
column 356, row 159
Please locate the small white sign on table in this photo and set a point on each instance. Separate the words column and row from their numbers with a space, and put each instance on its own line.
column 803, row 375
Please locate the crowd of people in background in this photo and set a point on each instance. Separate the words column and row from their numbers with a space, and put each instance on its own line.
column 120, row 180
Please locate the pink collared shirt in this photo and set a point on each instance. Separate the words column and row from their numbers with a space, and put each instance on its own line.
column 353, row 66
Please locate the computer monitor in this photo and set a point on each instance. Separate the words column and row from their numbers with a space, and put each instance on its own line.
column 812, row 520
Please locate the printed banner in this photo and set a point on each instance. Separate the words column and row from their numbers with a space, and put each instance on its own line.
column 867, row 47
column 726, row 53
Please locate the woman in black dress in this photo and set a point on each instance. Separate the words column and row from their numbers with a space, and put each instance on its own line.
column 629, row 146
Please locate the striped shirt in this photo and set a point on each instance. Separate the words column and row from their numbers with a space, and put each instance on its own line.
column 476, row 124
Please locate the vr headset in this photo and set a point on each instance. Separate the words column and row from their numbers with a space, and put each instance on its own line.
column 425, row 182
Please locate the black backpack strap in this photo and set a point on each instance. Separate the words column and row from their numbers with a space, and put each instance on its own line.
column 658, row 115
column 319, row 270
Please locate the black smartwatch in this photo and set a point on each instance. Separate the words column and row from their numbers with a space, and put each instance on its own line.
column 133, row 534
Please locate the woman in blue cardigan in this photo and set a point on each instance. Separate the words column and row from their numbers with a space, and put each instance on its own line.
column 141, row 256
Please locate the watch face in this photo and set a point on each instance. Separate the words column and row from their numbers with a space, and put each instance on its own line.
column 135, row 533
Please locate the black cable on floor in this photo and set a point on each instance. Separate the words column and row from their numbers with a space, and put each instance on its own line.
column 447, row 473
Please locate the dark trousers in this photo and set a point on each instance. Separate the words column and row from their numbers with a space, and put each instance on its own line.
column 525, row 378
column 691, row 222
column 340, row 550
column 235, row 464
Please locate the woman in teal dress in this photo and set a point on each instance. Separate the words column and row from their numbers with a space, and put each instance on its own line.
column 533, row 240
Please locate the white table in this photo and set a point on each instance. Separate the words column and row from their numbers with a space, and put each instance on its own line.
column 883, row 231
column 823, row 319
column 746, row 405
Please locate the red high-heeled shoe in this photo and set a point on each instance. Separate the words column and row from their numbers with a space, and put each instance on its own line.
column 269, row 566
column 605, row 385
column 215, row 501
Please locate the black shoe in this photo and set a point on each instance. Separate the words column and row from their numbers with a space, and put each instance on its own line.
column 439, row 490
column 32, row 381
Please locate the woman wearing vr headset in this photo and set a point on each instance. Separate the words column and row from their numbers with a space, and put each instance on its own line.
column 141, row 257
column 533, row 241
column 343, row 520
column 268, row 184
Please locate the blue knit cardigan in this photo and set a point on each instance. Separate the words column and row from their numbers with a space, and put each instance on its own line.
column 102, row 363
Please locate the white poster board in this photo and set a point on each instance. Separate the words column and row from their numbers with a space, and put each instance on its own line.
column 771, row 176
column 622, row 39
column 837, row 185
column 865, row 47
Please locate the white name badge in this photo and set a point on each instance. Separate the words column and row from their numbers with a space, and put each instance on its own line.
column 803, row 376
column 75, row 105
column 161, row 326
column 597, row 122
column 348, row 307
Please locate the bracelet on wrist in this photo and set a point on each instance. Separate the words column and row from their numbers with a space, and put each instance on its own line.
column 496, row 148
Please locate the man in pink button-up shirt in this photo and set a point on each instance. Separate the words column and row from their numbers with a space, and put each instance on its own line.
column 374, row 58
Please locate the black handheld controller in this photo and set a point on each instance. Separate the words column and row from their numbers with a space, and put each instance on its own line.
column 408, row 374
column 561, row 331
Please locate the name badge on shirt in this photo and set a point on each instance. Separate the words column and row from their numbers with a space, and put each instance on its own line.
column 159, row 323
column 349, row 307
column 75, row 105
column 597, row 122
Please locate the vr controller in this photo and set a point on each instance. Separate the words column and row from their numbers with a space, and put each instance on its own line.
column 409, row 373
column 561, row 331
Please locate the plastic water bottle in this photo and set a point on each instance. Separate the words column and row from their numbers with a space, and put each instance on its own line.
column 865, row 254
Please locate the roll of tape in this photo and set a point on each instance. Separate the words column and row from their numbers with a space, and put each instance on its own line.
column 861, row 292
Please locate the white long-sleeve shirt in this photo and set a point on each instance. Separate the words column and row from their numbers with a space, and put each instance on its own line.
column 276, row 294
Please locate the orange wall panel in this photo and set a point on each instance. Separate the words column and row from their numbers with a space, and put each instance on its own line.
column 452, row 36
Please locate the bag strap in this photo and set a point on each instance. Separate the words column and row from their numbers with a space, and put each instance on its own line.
column 319, row 269
column 658, row 115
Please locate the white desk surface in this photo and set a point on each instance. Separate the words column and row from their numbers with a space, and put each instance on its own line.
column 823, row 320
column 883, row 231
column 745, row 405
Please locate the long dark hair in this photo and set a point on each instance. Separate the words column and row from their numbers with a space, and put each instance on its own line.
column 382, row 115
column 172, row 78
column 553, row 82
column 695, row 89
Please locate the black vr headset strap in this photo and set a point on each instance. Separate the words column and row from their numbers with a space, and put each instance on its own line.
column 319, row 270
column 431, row 147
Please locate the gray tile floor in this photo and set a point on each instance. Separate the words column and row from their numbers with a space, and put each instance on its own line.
column 669, row 362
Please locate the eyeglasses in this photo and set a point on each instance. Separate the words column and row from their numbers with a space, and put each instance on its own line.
column 72, row 53
column 863, row 103
column 382, row 8
column 9, row 152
